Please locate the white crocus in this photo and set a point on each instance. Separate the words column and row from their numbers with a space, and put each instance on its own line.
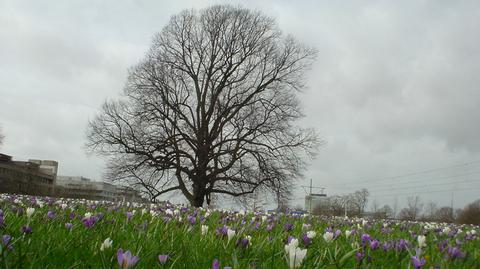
column 106, row 244
column 88, row 215
column 169, row 212
column 328, row 236
column 204, row 229
column 230, row 234
column 348, row 233
column 30, row 211
column 295, row 255
column 422, row 241
column 311, row 234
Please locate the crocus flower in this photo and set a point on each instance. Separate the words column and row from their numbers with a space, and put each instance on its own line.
column 306, row 240
column 162, row 258
column 89, row 222
column 204, row 229
column 215, row 264
column 422, row 241
column 50, row 214
column 26, row 230
column 129, row 215
column 328, row 236
column 455, row 253
column 348, row 233
column 365, row 238
column 288, row 227
column 68, row 226
column 359, row 256
column 30, row 212
column 295, row 255
column 106, row 244
column 311, row 234
column 6, row 239
column 417, row 261
column 192, row 220
column 230, row 234
column 374, row 244
column 125, row 259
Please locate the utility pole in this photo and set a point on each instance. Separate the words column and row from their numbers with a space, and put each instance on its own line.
column 310, row 194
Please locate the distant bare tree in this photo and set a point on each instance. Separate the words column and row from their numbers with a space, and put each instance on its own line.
column 387, row 211
column 445, row 214
column 430, row 211
column 210, row 110
column 470, row 214
column 413, row 210
column 359, row 200
column 375, row 206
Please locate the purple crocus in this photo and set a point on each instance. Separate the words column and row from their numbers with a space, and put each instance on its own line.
column 125, row 259
column 192, row 220
column 89, row 222
column 306, row 240
column 129, row 215
column 6, row 241
column 455, row 253
column 401, row 245
column 163, row 258
column 26, row 229
column 1, row 218
column 288, row 227
column 374, row 244
column 359, row 256
column 68, row 226
column 215, row 264
column 222, row 231
column 51, row 214
column 417, row 261
column 365, row 238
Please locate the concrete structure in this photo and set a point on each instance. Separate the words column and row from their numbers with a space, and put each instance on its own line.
column 47, row 166
column 82, row 187
column 26, row 177
column 313, row 201
column 85, row 188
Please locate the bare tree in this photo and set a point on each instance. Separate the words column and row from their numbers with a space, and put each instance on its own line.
column 387, row 211
column 444, row 214
column 470, row 214
column 431, row 209
column 413, row 209
column 210, row 110
column 359, row 200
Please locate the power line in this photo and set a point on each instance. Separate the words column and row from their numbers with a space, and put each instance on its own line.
column 398, row 185
column 429, row 191
column 408, row 174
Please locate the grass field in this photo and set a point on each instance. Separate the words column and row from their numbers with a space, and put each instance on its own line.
column 39, row 232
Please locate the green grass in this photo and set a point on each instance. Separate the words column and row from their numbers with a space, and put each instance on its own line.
column 51, row 245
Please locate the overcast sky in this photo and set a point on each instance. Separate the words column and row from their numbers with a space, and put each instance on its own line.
column 394, row 91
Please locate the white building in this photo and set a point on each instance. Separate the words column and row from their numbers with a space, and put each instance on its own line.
column 313, row 201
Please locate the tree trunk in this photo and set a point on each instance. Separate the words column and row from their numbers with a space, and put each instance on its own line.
column 198, row 195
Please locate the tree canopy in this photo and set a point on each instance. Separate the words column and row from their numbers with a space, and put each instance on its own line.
column 211, row 109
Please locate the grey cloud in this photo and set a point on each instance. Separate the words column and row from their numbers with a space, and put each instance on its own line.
column 394, row 89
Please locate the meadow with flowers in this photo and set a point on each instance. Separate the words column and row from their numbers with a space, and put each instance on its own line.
column 42, row 232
